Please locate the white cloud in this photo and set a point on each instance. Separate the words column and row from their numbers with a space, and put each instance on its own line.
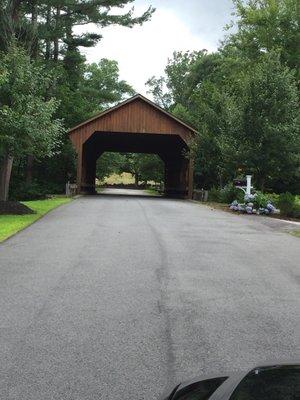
column 143, row 51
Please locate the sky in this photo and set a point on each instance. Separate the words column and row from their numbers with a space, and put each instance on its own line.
column 176, row 25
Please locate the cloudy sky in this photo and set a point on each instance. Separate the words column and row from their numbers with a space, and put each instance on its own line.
column 143, row 51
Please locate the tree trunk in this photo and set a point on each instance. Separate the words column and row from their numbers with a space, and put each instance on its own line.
column 48, row 43
column 15, row 10
column 29, row 169
column 136, row 178
column 34, row 42
column 56, row 42
column 5, row 174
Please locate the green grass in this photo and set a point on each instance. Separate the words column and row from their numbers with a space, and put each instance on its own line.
column 296, row 233
column 152, row 191
column 11, row 224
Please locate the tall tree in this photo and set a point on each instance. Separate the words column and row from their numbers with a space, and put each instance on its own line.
column 243, row 98
column 266, row 26
column 26, row 118
column 269, row 139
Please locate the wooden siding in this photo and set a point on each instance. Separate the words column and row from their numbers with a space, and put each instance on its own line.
column 136, row 116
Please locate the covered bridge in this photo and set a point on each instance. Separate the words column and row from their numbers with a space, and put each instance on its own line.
column 136, row 125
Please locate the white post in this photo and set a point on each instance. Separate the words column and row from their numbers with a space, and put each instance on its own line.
column 249, row 178
column 68, row 189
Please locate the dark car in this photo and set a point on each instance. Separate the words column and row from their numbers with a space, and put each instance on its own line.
column 271, row 381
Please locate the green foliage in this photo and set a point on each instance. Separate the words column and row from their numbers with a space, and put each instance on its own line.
column 214, row 195
column 27, row 123
column 286, row 204
column 230, row 193
column 46, row 86
column 102, row 86
column 97, row 88
column 144, row 167
column 22, row 191
column 261, row 200
column 268, row 25
column 273, row 197
column 108, row 164
column 151, row 168
column 243, row 100
column 269, row 139
column 26, row 118
column 226, row 195
column 296, row 211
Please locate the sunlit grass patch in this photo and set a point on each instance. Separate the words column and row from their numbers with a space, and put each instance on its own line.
column 11, row 224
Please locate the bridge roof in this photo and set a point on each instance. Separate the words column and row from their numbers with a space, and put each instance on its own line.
column 133, row 99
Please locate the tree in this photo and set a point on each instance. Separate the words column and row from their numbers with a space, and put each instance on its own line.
column 174, row 87
column 151, row 168
column 269, row 138
column 108, row 164
column 265, row 26
column 144, row 167
column 99, row 87
column 46, row 29
column 243, row 99
column 47, row 25
column 26, row 118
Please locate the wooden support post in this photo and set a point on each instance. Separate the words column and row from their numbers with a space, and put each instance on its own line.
column 79, row 169
column 190, row 179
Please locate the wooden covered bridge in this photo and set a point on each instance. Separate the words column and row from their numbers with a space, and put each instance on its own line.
column 136, row 125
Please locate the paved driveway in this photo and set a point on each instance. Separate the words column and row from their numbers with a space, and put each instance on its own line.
column 115, row 298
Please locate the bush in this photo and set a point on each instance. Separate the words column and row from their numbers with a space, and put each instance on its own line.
column 34, row 191
column 286, row 204
column 261, row 200
column 226, row 195
column 214, row 194
column 273, row 197
column 230, row 193
column 296, row 211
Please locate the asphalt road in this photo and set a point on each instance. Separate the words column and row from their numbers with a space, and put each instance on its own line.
column 115, row 298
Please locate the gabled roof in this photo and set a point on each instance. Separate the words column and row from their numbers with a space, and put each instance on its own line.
column 131, row 99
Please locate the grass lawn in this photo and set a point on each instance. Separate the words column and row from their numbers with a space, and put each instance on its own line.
column 10, row 224
column 117, row 179
column 152, row 191
column 296, row 233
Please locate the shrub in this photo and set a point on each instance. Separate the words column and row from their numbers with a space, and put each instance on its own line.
column 230, row 193
column 273, row 197
column 296, row 211
column 286, row 204
column 34, row 191
column 261, row 200
column 214, row 194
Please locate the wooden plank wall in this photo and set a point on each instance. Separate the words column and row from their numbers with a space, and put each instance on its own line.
column 134, row 117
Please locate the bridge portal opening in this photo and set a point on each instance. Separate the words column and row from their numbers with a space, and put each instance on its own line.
column 130, row 171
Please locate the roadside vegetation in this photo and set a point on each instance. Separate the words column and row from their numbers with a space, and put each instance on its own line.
column 287, row 203
column 243, row 99
column 11, row 224
column 46, row 87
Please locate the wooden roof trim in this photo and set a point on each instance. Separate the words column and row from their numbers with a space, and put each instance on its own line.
column 123, row 103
